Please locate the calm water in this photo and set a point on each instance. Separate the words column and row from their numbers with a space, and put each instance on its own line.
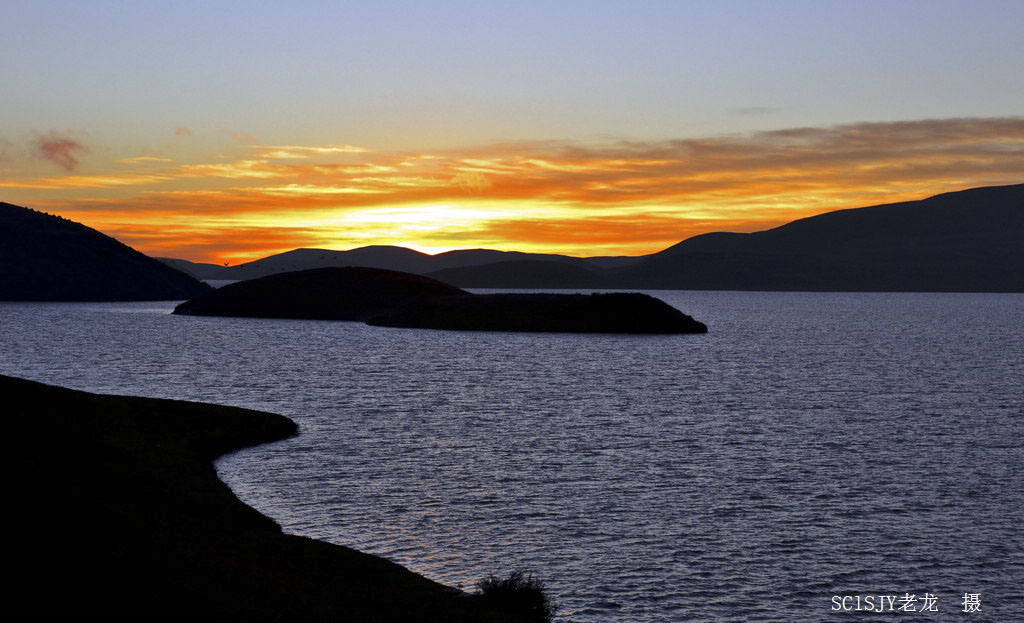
column 810, row 445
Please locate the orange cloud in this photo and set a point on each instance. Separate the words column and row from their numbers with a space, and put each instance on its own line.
column 604, row 235
column 82, row 181
column 210, row 245
column 232, row 170
column 304, row 151
column 621, row 197
column 143, row 159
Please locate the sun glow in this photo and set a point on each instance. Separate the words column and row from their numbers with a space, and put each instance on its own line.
column 619, row 198
column 432, row 228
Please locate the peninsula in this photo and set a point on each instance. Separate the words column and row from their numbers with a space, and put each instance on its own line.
column 119, row 512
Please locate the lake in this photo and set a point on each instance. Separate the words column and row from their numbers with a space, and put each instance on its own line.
column 811, row 451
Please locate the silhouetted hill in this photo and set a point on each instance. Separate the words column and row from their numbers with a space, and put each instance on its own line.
column 462, row 258
column 49, row 258
column 120, row 512
column 386, row 257
column 350, row 293
column 961, row 241
column 390, row 298
column 971, row 241
column 199, row 270
column 524, row 274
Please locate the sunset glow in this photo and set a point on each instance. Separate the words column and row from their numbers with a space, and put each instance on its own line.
column 413, row 160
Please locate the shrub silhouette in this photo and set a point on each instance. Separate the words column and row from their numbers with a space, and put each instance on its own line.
column 520, row 593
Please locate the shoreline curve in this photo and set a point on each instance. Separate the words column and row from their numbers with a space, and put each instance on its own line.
column 120, row 511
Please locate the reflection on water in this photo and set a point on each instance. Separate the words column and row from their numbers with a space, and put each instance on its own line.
column 810, row 445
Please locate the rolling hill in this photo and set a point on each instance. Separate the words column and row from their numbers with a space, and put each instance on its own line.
column 49, row 258
column 385, row 257
column 966, row 241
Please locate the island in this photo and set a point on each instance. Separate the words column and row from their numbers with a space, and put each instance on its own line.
column 350, row 293
column 612, row 312
column 116, row 510
column 395, row 299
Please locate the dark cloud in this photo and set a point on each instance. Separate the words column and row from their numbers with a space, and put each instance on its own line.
column 59, row 148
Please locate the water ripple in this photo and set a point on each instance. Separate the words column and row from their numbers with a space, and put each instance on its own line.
column 810, row 445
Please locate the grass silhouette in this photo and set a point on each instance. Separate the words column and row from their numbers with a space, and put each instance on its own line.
column 521, row 594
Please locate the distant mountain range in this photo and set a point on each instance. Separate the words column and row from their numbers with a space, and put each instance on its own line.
column 386, row 257
column 969, row 241
column 49, row 258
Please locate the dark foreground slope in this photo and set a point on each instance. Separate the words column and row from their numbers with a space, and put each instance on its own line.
column 48, row 258
column 118, row 513
column 968, row 241
column 394, row 299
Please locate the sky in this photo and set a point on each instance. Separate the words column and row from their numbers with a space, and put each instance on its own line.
column 228, row 131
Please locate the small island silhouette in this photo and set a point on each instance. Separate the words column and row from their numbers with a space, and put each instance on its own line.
column 395, row 299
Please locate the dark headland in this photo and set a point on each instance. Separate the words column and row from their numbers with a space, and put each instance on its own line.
column 966, row 241
column 394, row 299
column 117, row 511
column 49, row 258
